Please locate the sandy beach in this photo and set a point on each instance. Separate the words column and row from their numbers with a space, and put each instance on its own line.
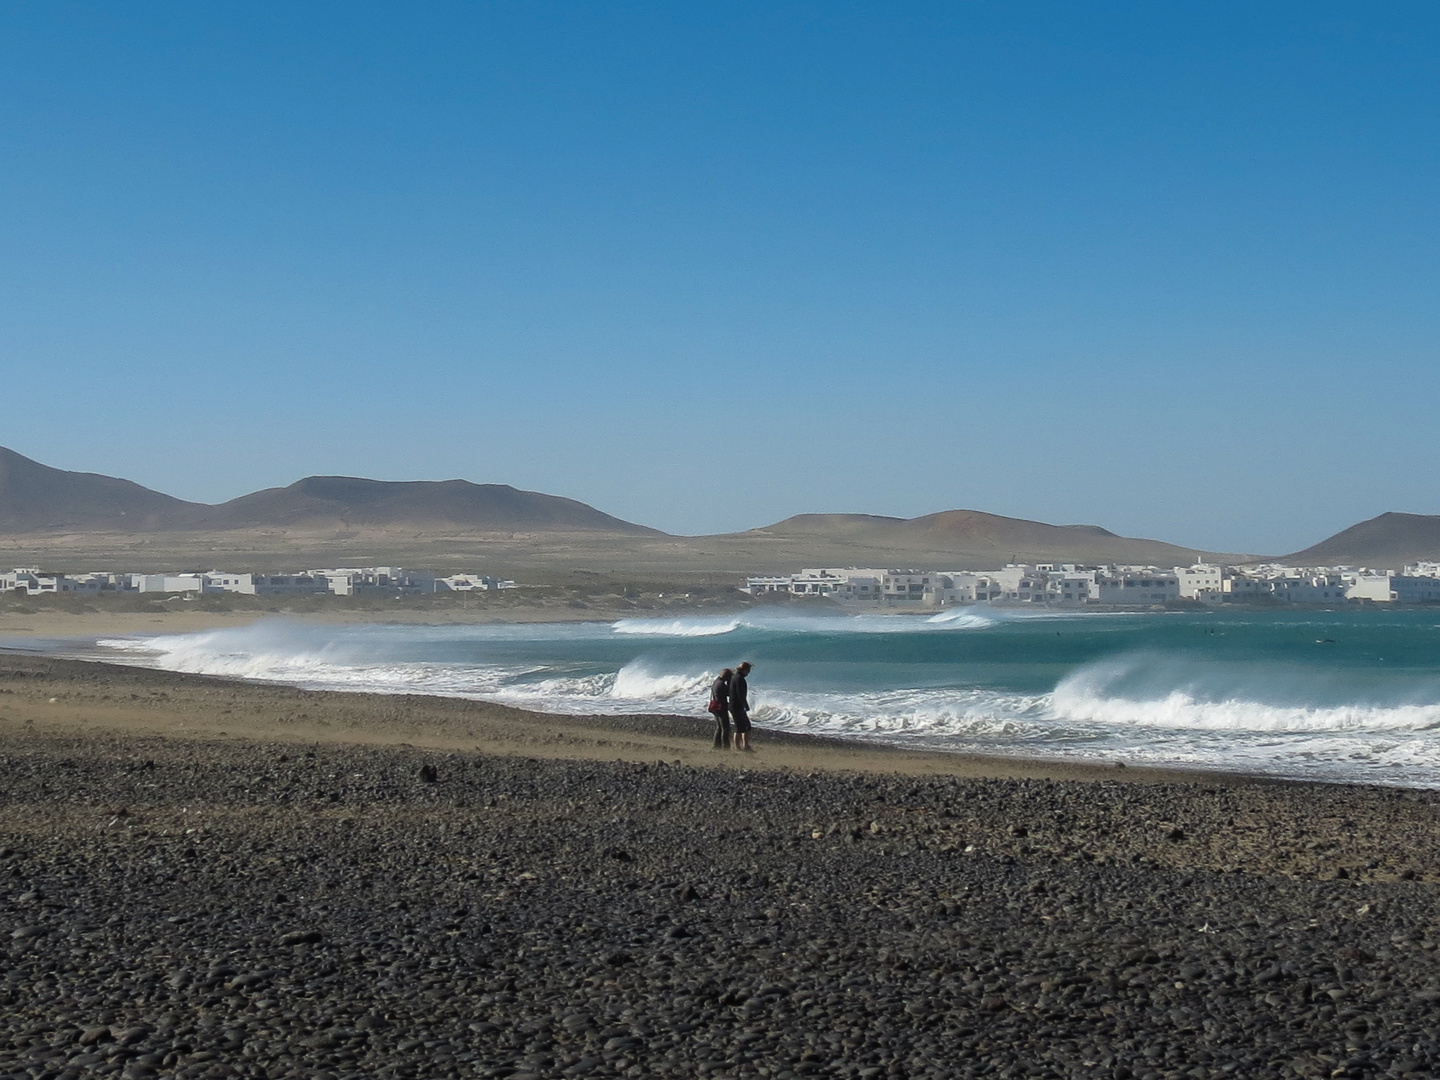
column 71, row 696
column 143, row 615
column 201, row 878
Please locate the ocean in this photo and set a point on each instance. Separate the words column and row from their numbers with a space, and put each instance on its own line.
column 1329, row 695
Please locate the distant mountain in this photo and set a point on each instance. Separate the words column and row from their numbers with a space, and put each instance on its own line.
column 40, row 501
column 1385, row 542
column 37, row 498
column 320, row 502
column 974, row 538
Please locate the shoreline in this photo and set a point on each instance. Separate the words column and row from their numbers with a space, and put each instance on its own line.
column 51, row 624
column 584, row 734
column 180, row 705
column 220, row 880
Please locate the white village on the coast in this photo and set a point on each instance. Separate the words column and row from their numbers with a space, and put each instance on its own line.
column 345, row 581
column 1074, row 585
column 1065, row 585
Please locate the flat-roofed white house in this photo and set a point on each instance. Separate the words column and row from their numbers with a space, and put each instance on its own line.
column 1073, row 587
column 290, row 584
column 350, row 580
column 1198, row 579
column 771, row 583
column 1369, row 585
column 471, row 583
column 226, row 582
column 1137, row 587
column 1412, row 589
column 170, row 583
column 965, row 587
column 1311, row 589
column 32, row 581
column 834, row 583
column 905, row 587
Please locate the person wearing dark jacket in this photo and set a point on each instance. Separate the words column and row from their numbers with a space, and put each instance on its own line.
column 720, row 708
column 740, row 706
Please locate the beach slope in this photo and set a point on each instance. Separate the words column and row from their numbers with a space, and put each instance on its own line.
column 208, row 879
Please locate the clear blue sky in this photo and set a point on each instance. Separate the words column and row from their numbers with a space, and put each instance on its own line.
column 1168, row 268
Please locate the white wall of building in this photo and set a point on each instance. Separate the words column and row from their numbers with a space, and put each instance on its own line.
column 1137, row 587
column 1411, row 589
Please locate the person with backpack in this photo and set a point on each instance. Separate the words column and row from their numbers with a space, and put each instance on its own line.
column 740, row 706
column 720, row 708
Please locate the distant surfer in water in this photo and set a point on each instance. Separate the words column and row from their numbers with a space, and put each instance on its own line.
column 740, row 706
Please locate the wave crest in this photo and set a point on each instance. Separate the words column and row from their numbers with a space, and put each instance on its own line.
column 676, row 627
column 1192, row 698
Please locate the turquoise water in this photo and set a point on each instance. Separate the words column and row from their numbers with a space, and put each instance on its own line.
column 1347, row 695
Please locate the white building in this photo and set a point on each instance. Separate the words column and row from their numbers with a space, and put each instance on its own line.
column 965, row 587
column 31, row 581
column 34, row 582
column 1369, row 585
column 221, row 581
column 1073, row 587
column 170, row 583
column 776, row 583
column 906, row 587
column 1311, row 589
column 852, row 585
column 1292, row 585
column 471, row 583
column 290, row 584
column 1200, row 580
column 1133, row 586
column 349, row 581
column 1412, row 589
column 1008, row 579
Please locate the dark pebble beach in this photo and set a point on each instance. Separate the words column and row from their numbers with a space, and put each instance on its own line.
column 198, row 907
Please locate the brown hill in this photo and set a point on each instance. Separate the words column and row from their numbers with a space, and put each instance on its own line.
column 973, row 538
column 92, row 520
column 1388, row 541
column 37, row 498
column 321, row 502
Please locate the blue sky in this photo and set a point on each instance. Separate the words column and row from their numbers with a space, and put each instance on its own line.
column 1169, row 269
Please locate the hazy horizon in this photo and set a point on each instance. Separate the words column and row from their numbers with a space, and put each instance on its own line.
column 707, row 269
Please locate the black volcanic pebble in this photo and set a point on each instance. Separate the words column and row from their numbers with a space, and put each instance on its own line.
column 582, row 919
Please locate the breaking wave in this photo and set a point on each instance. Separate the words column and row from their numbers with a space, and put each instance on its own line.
column 1292, row 697
column 675, row 627
column 969, row 618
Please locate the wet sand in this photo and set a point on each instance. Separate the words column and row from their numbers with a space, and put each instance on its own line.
column 71, row 696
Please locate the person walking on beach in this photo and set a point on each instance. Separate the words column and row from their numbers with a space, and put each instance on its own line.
column 740, row 706
column 720, row 708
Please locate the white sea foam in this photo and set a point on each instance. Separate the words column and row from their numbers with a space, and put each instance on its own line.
column 675, row 627
column 1096, row 694
column 1175, row 709
column 638, row 681
column 966, row 618
column 963, row 619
